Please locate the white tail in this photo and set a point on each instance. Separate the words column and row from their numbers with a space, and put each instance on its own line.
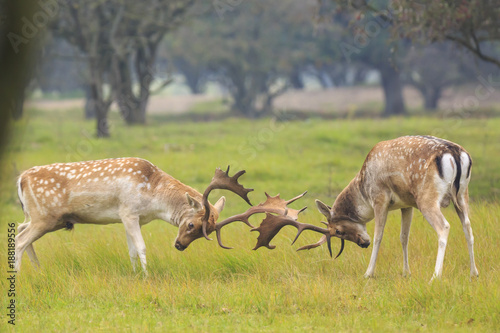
column 420, row 172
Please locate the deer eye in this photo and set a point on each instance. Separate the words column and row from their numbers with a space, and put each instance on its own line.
column 338, row 232
column 190, row 225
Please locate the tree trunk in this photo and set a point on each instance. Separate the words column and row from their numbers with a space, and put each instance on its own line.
column 101, row 108
column 132, row 105
column 18, row 105
column 296, row 80
column 431, row 98
column 90, row 109
column 102, row 122
column 192, row 74
column 133, row 110
column 393, row 92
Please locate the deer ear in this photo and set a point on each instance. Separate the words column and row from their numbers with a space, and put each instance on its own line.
column 193, row 202
column 324, row 209
column 219, row 205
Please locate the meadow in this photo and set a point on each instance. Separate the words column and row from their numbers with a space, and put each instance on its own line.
column 86, row 282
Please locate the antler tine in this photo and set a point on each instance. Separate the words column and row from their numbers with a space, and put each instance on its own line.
column 312, row 246
column 223, row 181
column 296, row 198
column 274, row 205
column 240, row 217
column 272, row 224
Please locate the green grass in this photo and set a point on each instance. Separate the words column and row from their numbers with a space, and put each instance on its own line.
column 86, row 281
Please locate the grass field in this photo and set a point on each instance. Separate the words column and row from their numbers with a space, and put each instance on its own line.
column 86, row 282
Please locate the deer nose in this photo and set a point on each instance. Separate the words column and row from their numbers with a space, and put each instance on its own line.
column 179, row 246
column 365, row 244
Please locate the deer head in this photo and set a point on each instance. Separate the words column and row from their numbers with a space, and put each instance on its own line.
column 204, row 215
column 344, row 227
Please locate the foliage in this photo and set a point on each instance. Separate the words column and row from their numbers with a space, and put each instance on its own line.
column 86, row 282
column 472, row 24
column 433, row 68
column 119, row 39
column 366, row 39
column 251, row 50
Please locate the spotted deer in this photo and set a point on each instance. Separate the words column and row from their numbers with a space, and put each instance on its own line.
column 131, row 191
column 409, row 172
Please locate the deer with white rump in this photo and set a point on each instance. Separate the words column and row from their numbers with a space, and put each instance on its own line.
column 420, row 172
column 131, row 191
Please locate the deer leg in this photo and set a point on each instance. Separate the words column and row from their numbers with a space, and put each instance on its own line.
column 133, row 229
column 132, row 252
column 406, row 216
column 24, row 239
column 463, row 214
column 380, row 219
column 438, row 222
column 29, row 249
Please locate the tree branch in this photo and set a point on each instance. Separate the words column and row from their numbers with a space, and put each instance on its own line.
column 476, row 51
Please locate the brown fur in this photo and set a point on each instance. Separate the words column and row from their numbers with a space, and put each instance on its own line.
column 128, row 190
column 404, row 173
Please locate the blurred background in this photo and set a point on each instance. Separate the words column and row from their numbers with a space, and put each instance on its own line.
column 235, row 58
column 296, row 92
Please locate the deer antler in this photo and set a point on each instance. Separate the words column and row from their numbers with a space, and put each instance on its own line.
column 223, row 181
column 272, row 224
column 274, row 205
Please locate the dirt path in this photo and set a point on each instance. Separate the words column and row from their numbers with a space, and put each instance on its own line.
column 343, row 99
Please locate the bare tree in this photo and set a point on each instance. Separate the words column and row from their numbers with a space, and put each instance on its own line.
column 136, row 32
column 119, row 39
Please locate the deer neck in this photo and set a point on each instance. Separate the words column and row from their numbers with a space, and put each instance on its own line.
column 170, row 199
column 352, row 203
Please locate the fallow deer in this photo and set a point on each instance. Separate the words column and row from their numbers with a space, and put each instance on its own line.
column 409, row 172
column 132, row 191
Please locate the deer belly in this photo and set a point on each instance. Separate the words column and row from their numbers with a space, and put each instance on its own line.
column 396, row 202
column 94, row 208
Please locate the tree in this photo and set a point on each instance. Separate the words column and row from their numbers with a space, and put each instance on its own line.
column 137, row 30
column 23, row 38
column 247, row 49
column 366, row 39
column 119, row 39
column 86, row 25
column 472, row 24
column 16, row 57
column 188, row 54
column 433, row 68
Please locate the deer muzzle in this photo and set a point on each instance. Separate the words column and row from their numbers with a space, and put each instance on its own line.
column 179, row 246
